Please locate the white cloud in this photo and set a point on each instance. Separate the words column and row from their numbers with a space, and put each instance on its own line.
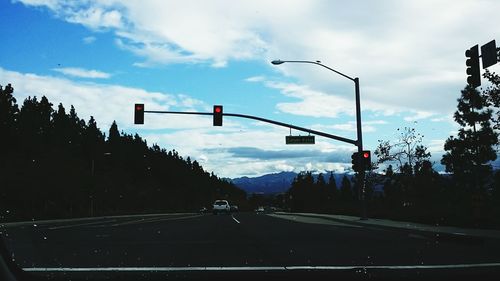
column 368, row 126
column 82, row 73
column 311, row 103
column 255, row 79
column 436, row 146
column 97, row 18
column 419, row 115
column 89, row 39
column 192, row 135
column 391, row 45
column 409, row 55
column 107, row 102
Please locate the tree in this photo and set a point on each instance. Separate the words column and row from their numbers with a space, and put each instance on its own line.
column 407, row 151
column 467, row 154
column 321, row 196
column 332, row 188
column 492, row 95
column 409, row 154
column 52, row 161
column 8, row 118
column 346, row 189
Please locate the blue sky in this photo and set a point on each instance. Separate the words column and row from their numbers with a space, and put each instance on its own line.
column 103, row 56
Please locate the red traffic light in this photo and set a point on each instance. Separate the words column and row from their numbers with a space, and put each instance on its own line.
column 139, row 113
column 217, row 114
column 366, row 154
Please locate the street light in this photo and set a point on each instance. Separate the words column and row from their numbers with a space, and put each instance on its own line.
column 359, row 141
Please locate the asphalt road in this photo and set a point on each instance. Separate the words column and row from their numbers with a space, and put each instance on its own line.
column 244, row 240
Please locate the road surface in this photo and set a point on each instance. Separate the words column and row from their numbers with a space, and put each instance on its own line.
column 244, row 241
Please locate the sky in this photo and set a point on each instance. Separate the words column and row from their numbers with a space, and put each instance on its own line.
column 103, row 56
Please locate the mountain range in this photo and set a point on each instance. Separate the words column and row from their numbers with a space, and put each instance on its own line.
column 276, row 182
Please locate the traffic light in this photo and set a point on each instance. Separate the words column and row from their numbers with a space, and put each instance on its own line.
column 366, row 159
column 356, row 165
column 473, row 71
column 217, row 115
column 139, row 113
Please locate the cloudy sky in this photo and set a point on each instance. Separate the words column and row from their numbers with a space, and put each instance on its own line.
column 103, row 56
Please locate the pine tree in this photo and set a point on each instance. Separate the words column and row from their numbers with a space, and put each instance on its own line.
column 492, row 94
column 332, row 188
column 346, row 193
column 468, row 154
column 8, row 119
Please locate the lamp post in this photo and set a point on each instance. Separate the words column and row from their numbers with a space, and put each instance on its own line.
column 359, row 141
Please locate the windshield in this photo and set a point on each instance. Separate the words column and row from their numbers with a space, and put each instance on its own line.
column 283, row 137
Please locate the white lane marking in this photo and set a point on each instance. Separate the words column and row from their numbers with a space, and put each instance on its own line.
column 260, row 268
column 154, row 220
column 80, row 224
column 237, row 221
column 194, row 268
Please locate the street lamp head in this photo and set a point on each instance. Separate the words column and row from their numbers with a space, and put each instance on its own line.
column 276, row 62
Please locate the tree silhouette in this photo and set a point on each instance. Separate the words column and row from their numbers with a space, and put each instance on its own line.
column 468, row 154
column 61, row 166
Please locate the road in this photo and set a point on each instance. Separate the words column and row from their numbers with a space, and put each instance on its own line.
column 243, row 240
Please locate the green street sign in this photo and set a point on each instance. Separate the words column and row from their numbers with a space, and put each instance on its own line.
column 299, row 139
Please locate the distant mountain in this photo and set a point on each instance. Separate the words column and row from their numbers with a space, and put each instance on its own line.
column 267, row 184
column 275, row 183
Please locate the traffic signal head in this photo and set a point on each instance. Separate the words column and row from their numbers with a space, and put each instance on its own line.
column 217, row 115
column 139, row 113
column 356, row 165
column 366, row 159
column 473, row 70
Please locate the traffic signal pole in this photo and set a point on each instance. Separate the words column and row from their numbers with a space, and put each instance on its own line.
column 319, row 133
column 359, row 144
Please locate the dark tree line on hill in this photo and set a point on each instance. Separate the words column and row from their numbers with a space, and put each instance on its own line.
column 54, row 164
column 319, row 195
column 469, row 195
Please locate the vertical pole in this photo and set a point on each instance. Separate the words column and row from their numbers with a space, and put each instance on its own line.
column 361, row 174
column 91, row 207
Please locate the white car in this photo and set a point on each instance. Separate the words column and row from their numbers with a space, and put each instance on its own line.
column 221, row 206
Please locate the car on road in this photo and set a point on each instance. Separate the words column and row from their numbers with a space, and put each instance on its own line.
column 260, row 209
column 203, row 210
column 221, row 206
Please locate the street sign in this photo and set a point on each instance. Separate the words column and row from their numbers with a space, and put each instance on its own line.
column 299, row 139
column 489, row 54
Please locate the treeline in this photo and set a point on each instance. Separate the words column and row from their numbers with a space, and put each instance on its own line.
column 319, row 195
column 53, row 164
column 419, row 194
